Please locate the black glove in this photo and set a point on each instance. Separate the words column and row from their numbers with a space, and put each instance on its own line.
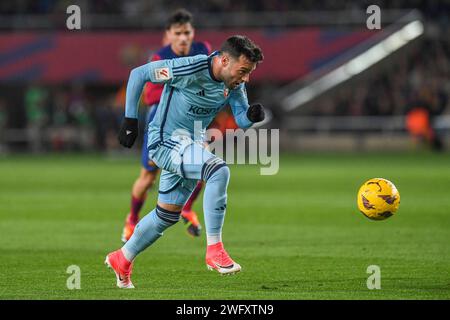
column 128, row 132
column 255, row 113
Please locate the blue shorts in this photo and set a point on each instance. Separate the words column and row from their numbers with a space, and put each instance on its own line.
column 182, row 162
column 145, row 160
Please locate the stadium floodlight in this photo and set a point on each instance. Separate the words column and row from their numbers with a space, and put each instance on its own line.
column 358, row 64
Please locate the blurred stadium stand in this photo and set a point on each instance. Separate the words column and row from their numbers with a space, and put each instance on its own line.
column 60, row 89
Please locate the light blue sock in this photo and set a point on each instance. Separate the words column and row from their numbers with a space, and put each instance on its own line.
column 215, row 198
column 148, row 230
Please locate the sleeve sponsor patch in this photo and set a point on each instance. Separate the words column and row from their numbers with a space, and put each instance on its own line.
column 162, row 74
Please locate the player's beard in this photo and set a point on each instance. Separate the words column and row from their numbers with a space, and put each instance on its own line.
column 228, row 79
column 230, row 86
column 233, row 85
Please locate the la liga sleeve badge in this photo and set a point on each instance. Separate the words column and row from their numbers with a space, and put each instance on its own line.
column 162, row 74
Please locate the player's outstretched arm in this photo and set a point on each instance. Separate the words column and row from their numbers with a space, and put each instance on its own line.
column 138, row 77
column 129, row 129
column 244, row 114
column 156, row 72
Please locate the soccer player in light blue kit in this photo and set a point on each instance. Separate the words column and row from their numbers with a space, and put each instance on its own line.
column 196, row 88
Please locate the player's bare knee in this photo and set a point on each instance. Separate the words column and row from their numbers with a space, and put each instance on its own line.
column 148, row 178
column 169, row 206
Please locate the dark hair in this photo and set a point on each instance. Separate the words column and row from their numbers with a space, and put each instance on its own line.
column 238, row 45
column 180, row 16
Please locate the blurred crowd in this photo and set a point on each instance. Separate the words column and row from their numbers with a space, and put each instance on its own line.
column 62, row 118
column 77, row 116
column 435, row 9
column 422, row 80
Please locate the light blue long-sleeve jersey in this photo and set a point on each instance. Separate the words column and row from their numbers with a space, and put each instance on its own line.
column 191, row 93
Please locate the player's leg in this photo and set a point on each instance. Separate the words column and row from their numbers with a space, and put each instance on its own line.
column 175, row 188
column 141, row 185
column 216, row 175
column 190, row 216
column 174, row 191
column 173, row 194
column 139, row 191
column 151, row 226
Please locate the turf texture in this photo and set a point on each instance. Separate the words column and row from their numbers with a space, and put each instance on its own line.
column 297, row 234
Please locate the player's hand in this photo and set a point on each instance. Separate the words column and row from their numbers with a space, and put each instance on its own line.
column 255, row 113
column 128, row 132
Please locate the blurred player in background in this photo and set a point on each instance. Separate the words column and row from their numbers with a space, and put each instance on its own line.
column 179, row 36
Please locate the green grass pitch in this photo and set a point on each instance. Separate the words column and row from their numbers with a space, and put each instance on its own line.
column 297, row 235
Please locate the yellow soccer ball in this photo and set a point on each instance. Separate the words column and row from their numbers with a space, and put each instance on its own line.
column 378, row 199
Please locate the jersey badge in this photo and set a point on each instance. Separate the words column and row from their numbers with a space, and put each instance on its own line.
column 162, row 74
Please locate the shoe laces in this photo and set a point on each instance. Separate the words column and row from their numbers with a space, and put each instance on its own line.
column 224, row 258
